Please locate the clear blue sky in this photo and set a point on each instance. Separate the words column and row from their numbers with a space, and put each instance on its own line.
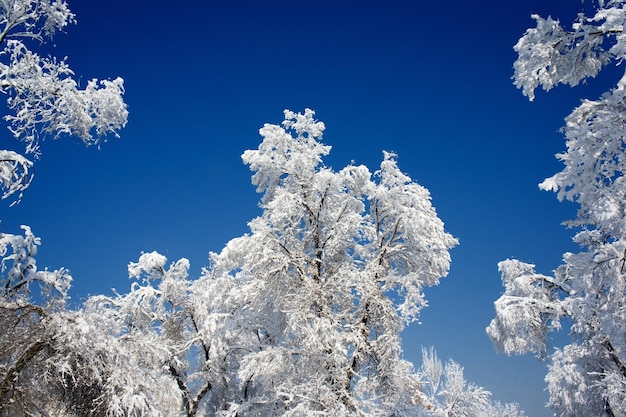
column 430, row 81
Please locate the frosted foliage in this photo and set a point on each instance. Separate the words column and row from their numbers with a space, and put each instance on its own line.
column 323, row 283
column 588, row 375
column 34, row 18
column 327, row 263
column 570, row 373
column 116, row 356
column 549, row 55
column 43, row 97
column 279, row 154
column 15, row 173
column 30, row 301
column 595, row 162
column 528, row 310
column 104, row 372
column 450, row 395
column 413, row 244
column 179, row 340
column 300, row 317
column 47, row 101
column 18, row 270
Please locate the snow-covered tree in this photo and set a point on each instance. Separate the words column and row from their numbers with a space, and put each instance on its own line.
column 588, row 375
column 335, row 266
column 301, row 316
column 452, row 396
column 25, row 335
column 43, row 100
column 168, row 347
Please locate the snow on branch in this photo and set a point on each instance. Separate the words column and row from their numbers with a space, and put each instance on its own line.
column 36, row 19
column 550, row 55
column 18, row 269
column 44, row 100
column 15, row 174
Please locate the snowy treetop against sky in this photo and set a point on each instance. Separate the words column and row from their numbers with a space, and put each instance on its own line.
column 302, row 315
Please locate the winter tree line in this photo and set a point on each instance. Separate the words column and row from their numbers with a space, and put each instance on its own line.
column 303, row 314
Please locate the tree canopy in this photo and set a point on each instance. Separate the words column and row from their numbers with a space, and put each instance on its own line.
column 588, row 375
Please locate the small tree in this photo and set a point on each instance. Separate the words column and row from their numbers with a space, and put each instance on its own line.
column 588, row 375
column 452, row 396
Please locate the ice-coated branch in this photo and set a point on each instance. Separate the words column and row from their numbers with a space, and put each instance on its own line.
column 15, row 174
column 449, row 394
column 18, row 269
column 48, row 102
column 36, row 19
column 44, row 99
column 549, row 55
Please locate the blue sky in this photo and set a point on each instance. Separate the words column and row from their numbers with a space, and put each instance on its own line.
column 430, row 81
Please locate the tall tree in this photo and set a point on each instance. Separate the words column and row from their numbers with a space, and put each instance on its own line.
column 302, row 316
column 338, row 261
column 588, row 375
